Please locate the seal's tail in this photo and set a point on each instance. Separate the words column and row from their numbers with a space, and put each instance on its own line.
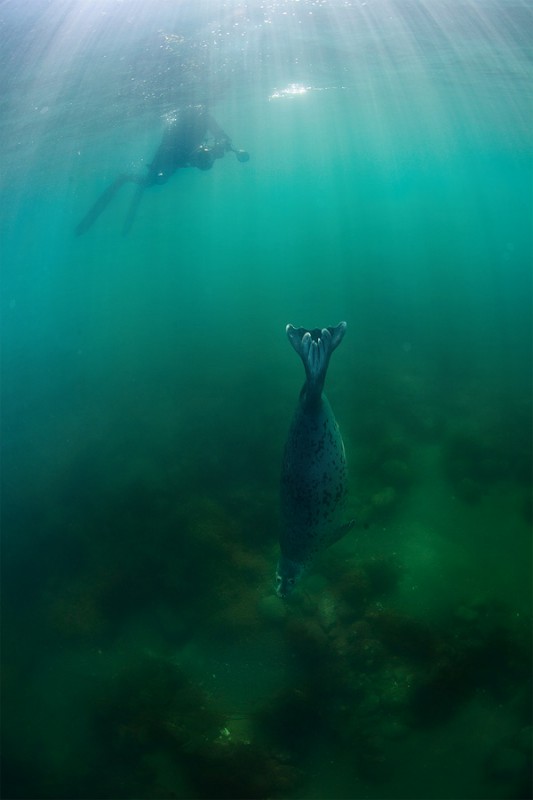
column 315, row 348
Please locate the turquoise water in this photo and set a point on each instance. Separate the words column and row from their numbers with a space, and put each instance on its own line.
column 148, row 387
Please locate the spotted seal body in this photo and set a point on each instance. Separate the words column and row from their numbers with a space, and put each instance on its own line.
column 314, row 476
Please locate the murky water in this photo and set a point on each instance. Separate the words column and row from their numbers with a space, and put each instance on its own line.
column 148, row 387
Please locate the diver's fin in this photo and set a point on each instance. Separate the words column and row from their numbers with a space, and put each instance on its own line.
column 103, row 201
column 132, row 211
column 315, row 348
column 105, row 198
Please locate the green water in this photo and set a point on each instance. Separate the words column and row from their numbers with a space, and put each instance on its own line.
column 148, row 386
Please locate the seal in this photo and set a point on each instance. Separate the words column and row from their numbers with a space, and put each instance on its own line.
column 314, row 473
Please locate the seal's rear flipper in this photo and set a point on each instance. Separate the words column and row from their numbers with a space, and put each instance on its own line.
column 315, row 348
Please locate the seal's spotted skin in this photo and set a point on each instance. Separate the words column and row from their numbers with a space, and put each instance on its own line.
column 314, row 476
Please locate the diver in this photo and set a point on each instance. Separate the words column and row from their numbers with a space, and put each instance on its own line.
column 192, row 139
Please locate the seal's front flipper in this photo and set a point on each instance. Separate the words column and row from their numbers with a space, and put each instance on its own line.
column 338, row 533
column 315, row 348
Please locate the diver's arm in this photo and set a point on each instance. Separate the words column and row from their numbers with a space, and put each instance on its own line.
column 222, row 141
column 220, row 136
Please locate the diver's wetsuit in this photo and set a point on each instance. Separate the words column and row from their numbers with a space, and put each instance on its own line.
column 183, row 145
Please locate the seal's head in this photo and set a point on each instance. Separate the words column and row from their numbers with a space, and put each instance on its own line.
column 288, row 574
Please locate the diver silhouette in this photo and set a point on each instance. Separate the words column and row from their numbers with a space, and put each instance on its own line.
column 192, row 139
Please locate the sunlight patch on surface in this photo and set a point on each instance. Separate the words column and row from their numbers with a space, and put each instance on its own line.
column 290, row 91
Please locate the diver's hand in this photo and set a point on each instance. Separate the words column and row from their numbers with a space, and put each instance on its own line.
column 221, row 147
column 224, row 143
